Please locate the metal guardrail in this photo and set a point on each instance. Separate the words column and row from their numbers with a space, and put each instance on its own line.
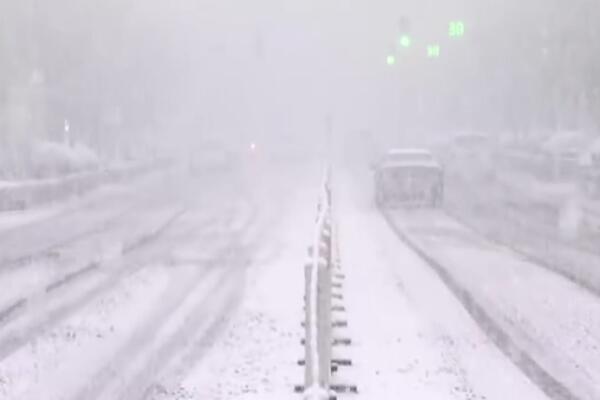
column 318, row 323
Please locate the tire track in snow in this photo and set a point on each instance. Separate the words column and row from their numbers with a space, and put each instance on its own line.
column 13, row 340
column 20, row 304
column 98, row 212
column 164, row 383
column 47, row 250
column 208, row 316
column 108, row 382
column 551, row 386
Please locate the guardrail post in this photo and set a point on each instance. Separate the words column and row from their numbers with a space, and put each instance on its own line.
column 318, row 321
column 325, row 303
column 308, row 341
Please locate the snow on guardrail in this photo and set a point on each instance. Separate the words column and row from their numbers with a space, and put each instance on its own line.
column 317, row 345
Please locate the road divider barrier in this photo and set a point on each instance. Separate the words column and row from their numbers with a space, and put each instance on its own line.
column 323, row 308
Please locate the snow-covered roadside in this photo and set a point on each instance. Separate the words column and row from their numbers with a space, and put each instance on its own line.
column 135, row 216
column 13, row 219
column 574, row 258
column 552, row 319
column 34, row 232
column 544, row 192
column 508, row 206
column 411, row 337
column 577, row 264
column 37, row 275
column 30, row 193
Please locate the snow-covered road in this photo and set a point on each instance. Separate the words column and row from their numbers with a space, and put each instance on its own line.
column 548, row 317
column 411, row 337
column 177, row 280
column 193, row 290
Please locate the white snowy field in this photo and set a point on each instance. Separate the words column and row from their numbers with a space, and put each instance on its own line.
column 553, row 320
column 411, row 337
column 210, row 306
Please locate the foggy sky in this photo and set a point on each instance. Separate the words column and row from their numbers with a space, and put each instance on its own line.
column 267, row 70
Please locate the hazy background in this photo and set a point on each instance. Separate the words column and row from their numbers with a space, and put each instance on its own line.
column 132, row 78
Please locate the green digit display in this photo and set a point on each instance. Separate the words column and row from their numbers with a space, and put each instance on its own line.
column 456, row 29
column 433, row 51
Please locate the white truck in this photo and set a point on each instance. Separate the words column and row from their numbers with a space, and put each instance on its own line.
column 409, row 178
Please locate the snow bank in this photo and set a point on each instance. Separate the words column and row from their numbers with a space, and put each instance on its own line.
column 564, row 141
column 51, row 159
column 561, row 237
column 25, row 194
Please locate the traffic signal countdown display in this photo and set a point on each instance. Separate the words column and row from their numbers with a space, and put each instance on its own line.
column 433, row 51
column 456, row 29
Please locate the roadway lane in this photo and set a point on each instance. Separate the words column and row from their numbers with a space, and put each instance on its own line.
column 157, row 323
column 411, row 337
column 96, row 212
column 547, row 316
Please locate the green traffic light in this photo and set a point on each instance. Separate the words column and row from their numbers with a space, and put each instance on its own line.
column 456, row 29
column 433, row 51
column 405, row 41
column 390, row 60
